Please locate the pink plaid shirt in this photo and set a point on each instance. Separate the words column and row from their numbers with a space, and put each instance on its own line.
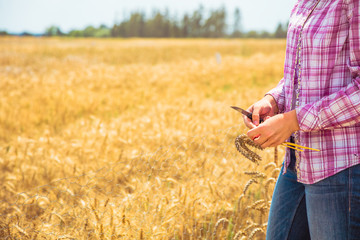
column 327, row 34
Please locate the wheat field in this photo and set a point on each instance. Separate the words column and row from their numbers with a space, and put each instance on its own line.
column 132, row 139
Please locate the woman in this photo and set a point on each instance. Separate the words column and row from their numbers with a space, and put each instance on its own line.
column 317, row 105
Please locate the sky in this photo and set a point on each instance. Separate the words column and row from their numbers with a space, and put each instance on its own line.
column 35, row 16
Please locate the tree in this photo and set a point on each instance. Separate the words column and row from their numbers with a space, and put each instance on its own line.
column 252, row 34
column 115, row 31
column 280, row 32
column 196, row 25
column 175, row 29
column 237, row 31
column 76, row 33
column 53, row 31
column 185, row 30
column 215, row 25
column 265, row 34
column 89, row 31
column 136, row 25
column 156, row 25
column 102, row 32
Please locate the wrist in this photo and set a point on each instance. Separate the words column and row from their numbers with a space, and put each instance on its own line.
column 291, row 118
column 273, row 102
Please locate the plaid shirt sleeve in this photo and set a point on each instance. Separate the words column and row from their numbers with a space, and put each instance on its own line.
column 278, row 94
column 342, row 108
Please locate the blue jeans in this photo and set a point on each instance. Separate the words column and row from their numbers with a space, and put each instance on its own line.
column 326, row 210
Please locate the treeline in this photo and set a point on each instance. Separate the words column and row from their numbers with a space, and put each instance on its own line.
column 199, row 24
column 161, row 25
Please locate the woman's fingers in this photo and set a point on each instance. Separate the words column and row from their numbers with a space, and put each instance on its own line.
column 256, row 115
column 262, row 137
column 248, row 122
column 270, row 143
column 275, row 130
column 254, row 134
column 265, row 144
column 261, row 108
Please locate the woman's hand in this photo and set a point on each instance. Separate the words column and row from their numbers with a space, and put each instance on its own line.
column 264, row 108
column 275, row 130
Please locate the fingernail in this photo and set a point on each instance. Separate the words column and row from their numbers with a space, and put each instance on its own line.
column 257, row 136
column 256, row 122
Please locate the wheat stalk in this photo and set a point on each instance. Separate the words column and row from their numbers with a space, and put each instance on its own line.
column 238, row 234
column 256, row 204
column 267, row 183
column 242, row 142
column 254, row 232
column 251, row 181
column 269, row 165
column 256, row 174
column 220, row 221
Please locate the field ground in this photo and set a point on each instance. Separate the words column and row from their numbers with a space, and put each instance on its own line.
column 132, row 139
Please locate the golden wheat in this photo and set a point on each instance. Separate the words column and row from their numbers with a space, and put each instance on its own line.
column 254, row 232
column 109, row 139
